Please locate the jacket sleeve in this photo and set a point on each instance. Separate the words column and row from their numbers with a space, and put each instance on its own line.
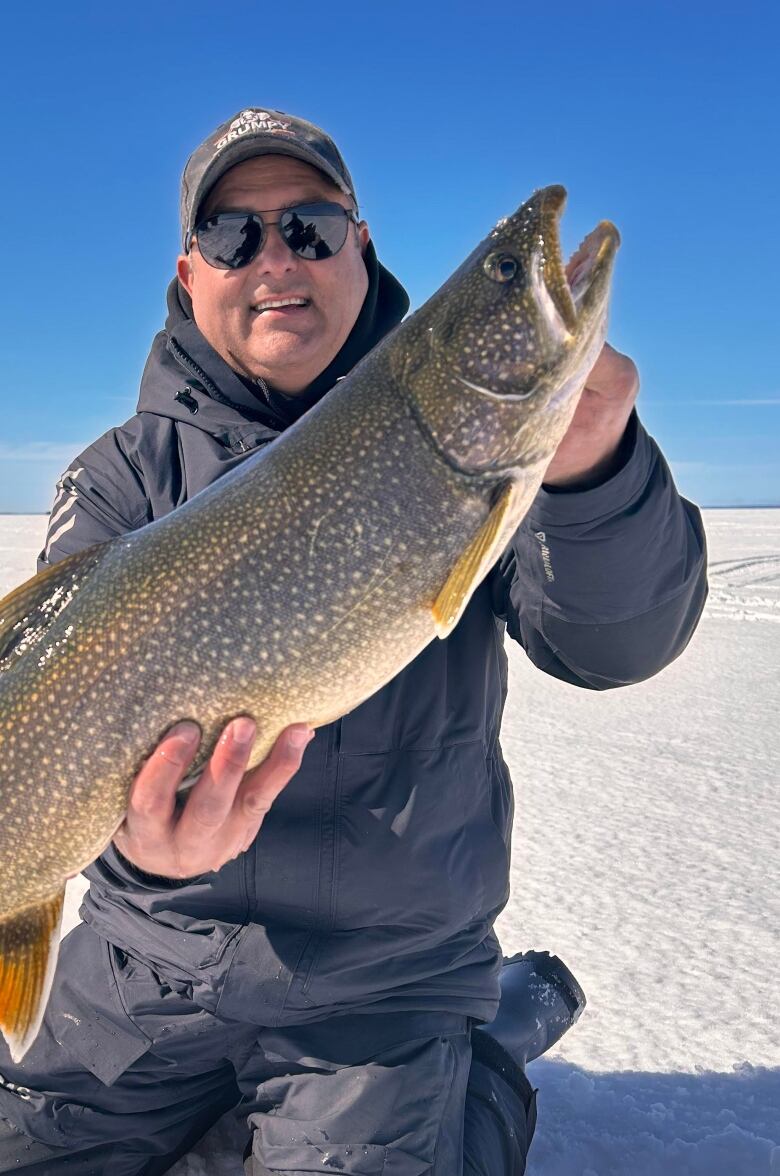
column 604, row 587
column 99, row 496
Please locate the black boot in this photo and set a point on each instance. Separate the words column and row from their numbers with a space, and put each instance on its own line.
column 540, row 1000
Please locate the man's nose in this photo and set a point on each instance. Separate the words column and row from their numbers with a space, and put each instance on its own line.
column 275, row 256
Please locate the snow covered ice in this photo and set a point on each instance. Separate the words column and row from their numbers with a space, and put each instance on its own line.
column 647, row 855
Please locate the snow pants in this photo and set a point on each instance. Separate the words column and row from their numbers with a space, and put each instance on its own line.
column 127, row 1074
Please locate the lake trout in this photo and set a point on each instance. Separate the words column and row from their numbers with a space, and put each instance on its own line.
column 299, row 583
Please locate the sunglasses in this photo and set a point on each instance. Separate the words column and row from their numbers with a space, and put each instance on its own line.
column 230, row 240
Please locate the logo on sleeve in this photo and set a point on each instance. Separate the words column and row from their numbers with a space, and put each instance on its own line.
column 546, row 560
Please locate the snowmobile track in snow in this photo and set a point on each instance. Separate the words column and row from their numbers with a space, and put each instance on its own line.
column 731, row 579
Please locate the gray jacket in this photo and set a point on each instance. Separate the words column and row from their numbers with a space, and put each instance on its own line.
column 379, row 872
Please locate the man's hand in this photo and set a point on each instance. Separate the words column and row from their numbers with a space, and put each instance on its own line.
column 223, row 812
column 587, row 452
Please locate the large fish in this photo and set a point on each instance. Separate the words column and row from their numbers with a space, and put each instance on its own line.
column 298, row 584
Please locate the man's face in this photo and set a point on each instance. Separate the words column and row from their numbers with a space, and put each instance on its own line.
column 287, row 347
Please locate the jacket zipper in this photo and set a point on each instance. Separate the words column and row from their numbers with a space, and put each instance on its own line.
column 326, row 899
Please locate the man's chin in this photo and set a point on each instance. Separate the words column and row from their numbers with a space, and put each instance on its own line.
column 289, row 366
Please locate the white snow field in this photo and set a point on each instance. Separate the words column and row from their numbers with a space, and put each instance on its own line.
column 647, row 855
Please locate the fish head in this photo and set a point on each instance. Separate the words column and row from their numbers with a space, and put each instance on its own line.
column 501, row 352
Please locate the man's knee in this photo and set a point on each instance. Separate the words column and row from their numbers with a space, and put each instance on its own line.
column 374, row 1093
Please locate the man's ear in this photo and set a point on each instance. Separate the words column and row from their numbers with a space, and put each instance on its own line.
column 364, row 236
column 184, row 272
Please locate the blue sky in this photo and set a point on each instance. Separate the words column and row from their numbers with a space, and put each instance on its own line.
column 659, row 115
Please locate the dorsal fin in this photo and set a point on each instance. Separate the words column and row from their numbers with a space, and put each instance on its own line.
column 28, row 611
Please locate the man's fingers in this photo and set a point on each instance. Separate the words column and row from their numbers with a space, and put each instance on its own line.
column 152, row 798
column 211, row 800
column 262, row 786
column 225, row 808
column 614, row 375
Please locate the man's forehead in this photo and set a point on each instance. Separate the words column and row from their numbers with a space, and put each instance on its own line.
column 263, row 175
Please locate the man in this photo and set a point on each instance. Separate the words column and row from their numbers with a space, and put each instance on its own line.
column 330, row 971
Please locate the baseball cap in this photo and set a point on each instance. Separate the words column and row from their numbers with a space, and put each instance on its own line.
column 257, row 131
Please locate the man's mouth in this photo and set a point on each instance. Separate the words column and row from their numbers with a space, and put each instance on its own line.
column 291, row 305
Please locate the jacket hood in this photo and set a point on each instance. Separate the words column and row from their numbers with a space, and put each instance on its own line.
column 185, row 378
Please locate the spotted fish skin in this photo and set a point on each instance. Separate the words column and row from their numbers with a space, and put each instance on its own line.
column 302, row 581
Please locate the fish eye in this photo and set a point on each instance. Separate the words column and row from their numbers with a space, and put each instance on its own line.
column 501, row 267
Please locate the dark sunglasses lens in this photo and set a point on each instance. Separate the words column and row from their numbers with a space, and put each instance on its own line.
column 230, row 242
column 315, row 231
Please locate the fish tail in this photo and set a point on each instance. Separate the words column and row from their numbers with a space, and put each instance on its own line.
column 29, row 945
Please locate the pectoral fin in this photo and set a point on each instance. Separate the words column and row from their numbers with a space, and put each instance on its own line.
column 474, row 564
column 29, row 945
column 27, row 612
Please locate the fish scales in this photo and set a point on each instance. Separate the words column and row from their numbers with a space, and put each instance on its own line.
column 300, row 582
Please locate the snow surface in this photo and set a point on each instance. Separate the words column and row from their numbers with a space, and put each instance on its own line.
column 646, row 855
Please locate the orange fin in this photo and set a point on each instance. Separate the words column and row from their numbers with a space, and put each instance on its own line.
column 27, row 612
column 29, row 945
column 474, row 564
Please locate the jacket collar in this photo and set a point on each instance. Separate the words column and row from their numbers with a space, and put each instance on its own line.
column 187, row 380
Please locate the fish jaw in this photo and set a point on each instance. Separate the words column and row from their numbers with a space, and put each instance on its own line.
column 547, row 274
column 496, row 364
column 589, row 270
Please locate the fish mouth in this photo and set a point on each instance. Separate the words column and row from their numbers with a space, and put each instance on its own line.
column 562, row 289
column 565, row 292
column 589, row 256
